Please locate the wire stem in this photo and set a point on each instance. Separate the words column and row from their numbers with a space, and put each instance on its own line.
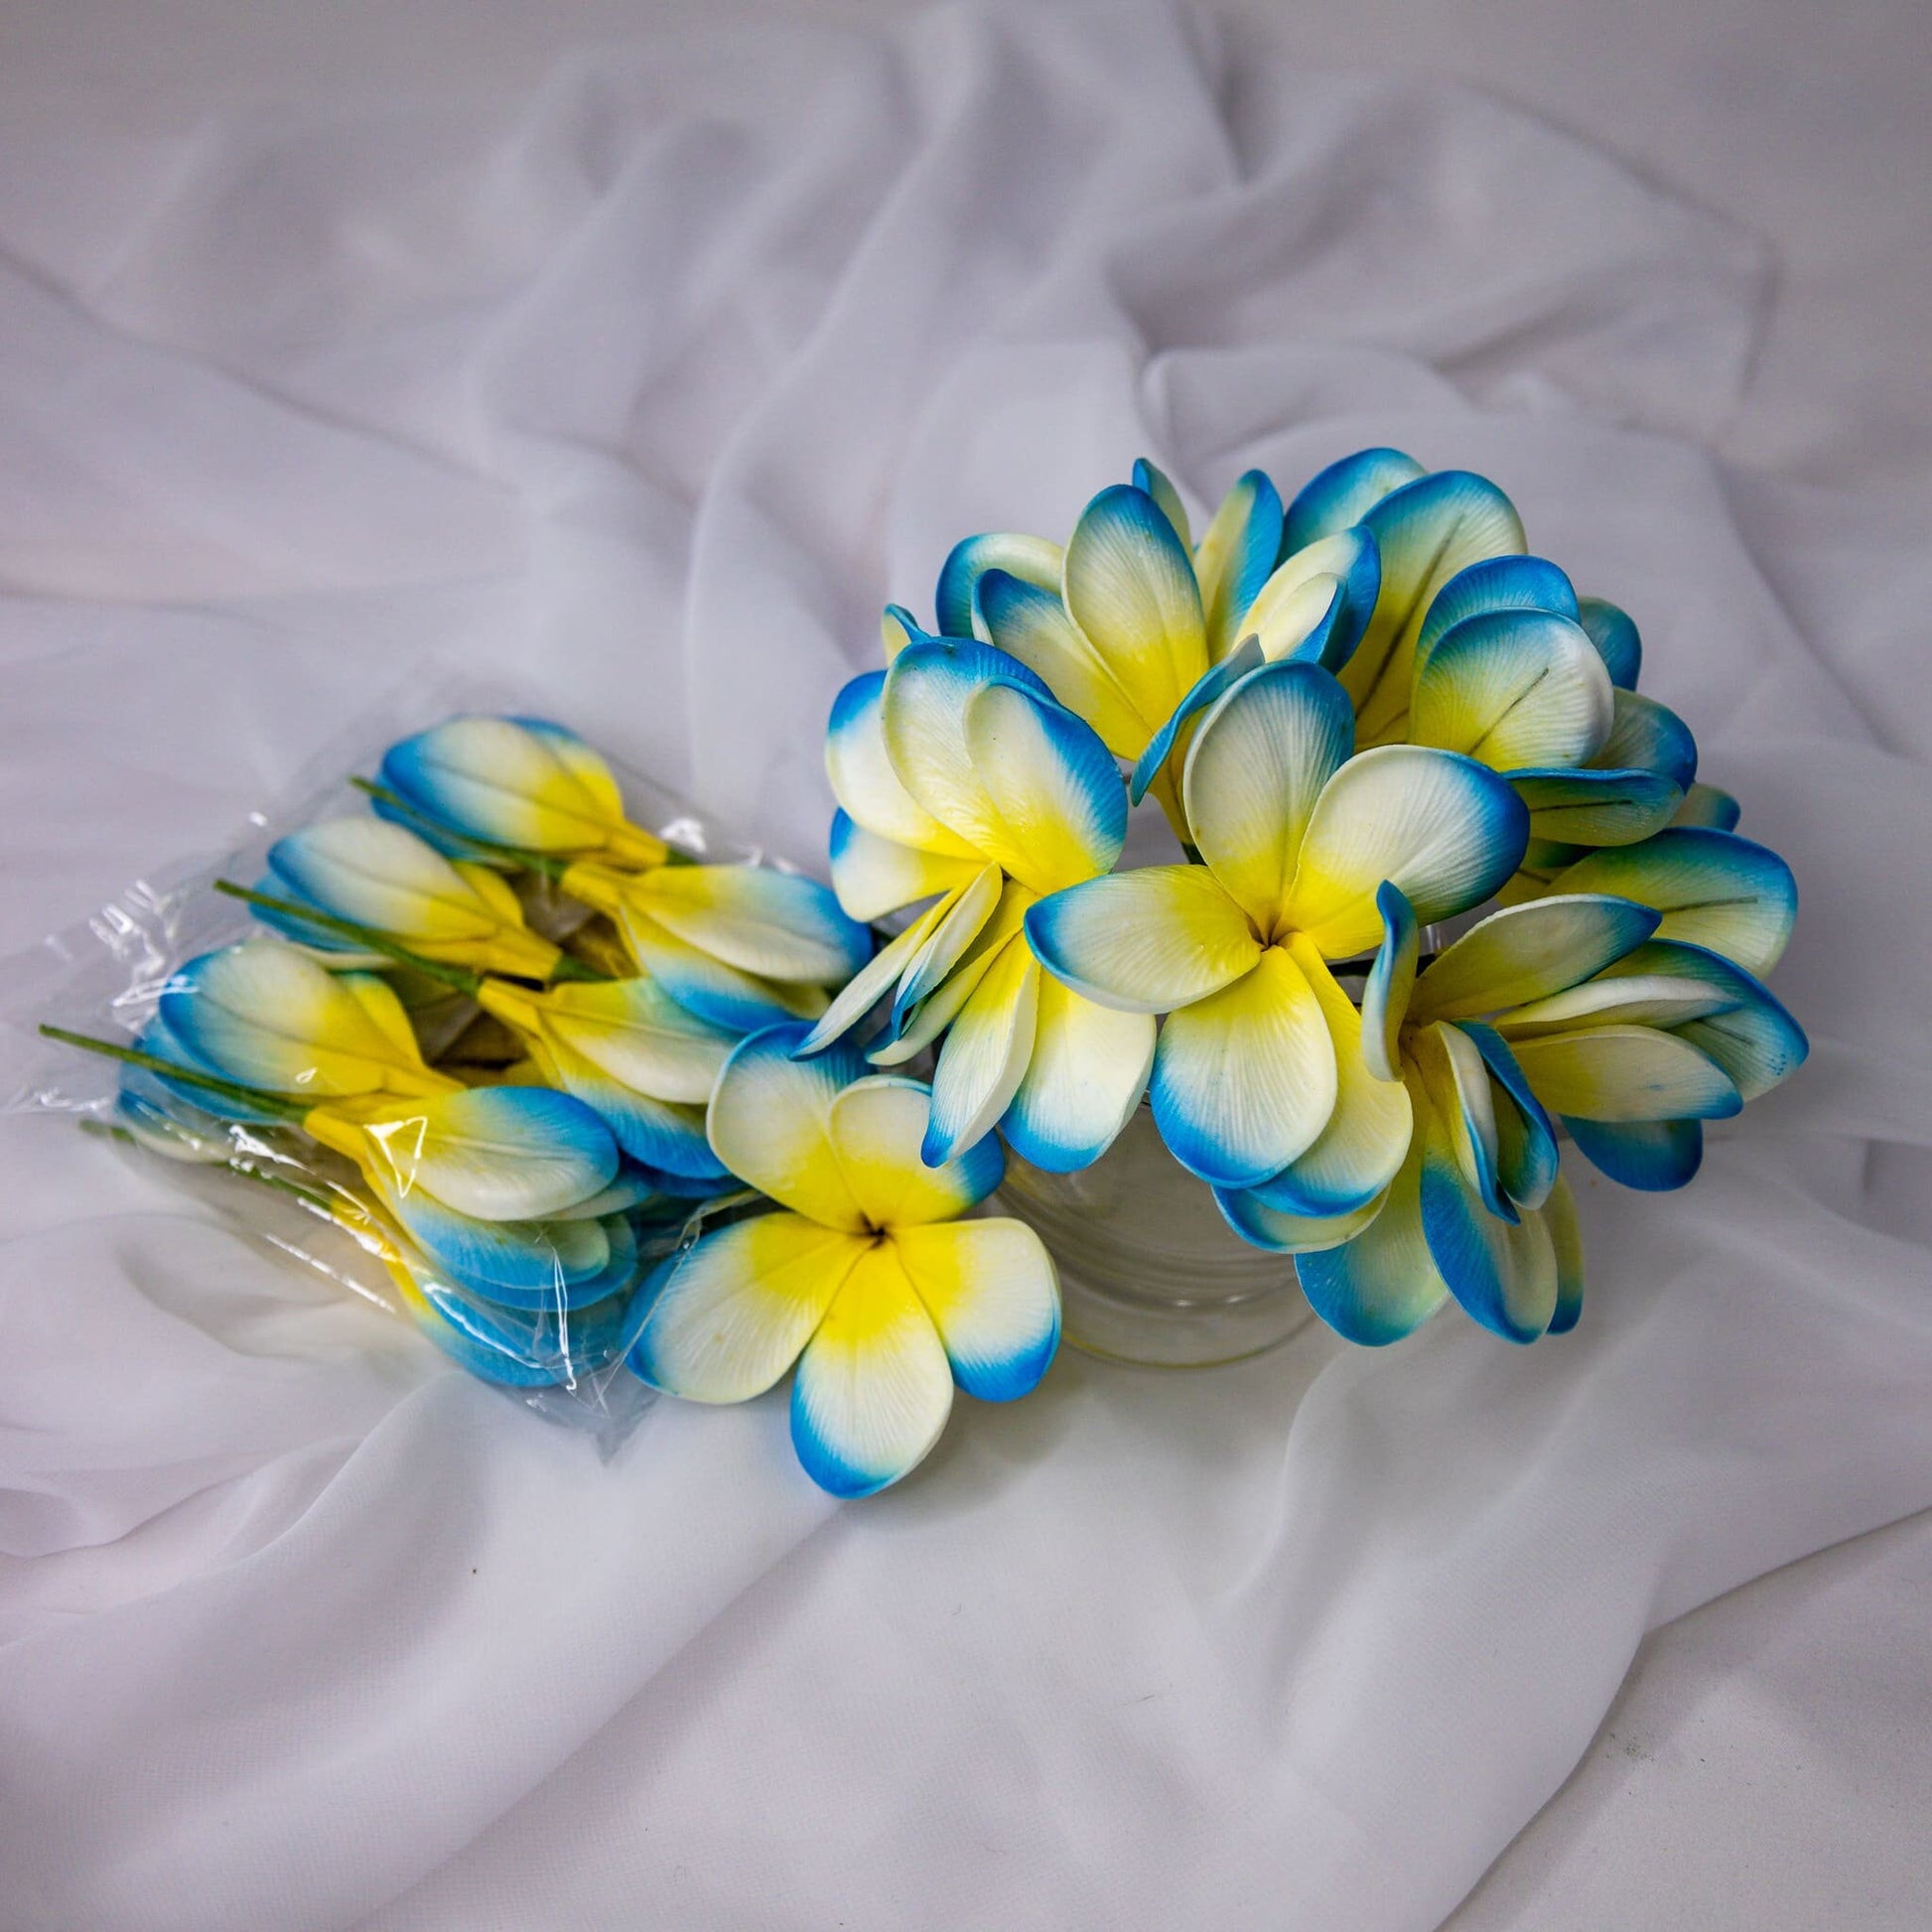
column 232, row 1090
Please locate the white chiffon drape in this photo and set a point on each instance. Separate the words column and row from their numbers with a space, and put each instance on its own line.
column 649, row 394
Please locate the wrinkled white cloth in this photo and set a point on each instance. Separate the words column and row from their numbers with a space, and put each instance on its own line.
column 649, row 394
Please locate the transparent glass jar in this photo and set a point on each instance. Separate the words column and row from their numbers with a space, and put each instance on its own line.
column 1149, row 1272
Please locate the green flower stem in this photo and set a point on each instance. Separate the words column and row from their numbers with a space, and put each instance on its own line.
column 458, row 977
column 294, row 1111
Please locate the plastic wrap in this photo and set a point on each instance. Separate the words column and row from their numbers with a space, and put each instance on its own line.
column 338, row 1173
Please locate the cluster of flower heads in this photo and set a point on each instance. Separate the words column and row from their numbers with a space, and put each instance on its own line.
column 1366, row 715
column 593, row 1144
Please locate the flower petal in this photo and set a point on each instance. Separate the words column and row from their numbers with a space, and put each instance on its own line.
column 631, row 1030
column 769, row 1122
column 1175, row 735
column 992, row 1292
column 1147, row 940
column 1235, row 556
column 737, row 1307
column 575, row 1288
column 1052, row 782
column 877, row 1126
column 1088, row 1070
column 1464, row 1111
column 1566, row 1238
column 1445, row 829
column 1391, row 981
column 1526, row 1138
column 1627, row 1000
column 1154, row 481
column 266, row 1014
column 1427, row 531
column 1714, row 888
column 1621, row 1074
column 1655, row 1157
column 1245, row 1079
column 869, row 986
column 1711, row 806
column 953, row 934
column 1029, row 622
column 1357, row 1153
column 1281, row 1233
column 1753, row 1038
column 1024, row 559
column 873, row 876
column 499, row 779
column 1616, row 639
column 383, row 876
column 1504, row 1274
column 662, row 1134
column 863, row 781
column 1514, row 689
column 1257, row 765
column 776, row 925
column 1381, row 1284
column 1587, row 807
column 1527, row 952
column 927, row 691
column 1646, row 736
column 985, row 1054
column 516, row 1263
column 916, row 1024
column 874, row 1387
column 1343, row 493
column 497, row 1154
column 1318, row 601
column 706, row 985
column 1495, row 584
column 1129, row 585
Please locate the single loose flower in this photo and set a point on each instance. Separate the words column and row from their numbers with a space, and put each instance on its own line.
column 518, row 781
column 864, row 1275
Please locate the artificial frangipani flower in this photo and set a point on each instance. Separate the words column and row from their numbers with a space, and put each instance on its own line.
column 523, row 782
column 1259, row 1067
column 1585, row 1007
column 863, row 1274
column 960, row 774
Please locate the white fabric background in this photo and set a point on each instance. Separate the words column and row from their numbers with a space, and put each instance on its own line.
column 650, row 388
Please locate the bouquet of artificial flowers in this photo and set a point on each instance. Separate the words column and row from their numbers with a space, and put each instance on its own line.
column 1443, row 892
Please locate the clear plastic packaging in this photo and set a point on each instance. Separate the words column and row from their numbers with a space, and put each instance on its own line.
column 543, row 1305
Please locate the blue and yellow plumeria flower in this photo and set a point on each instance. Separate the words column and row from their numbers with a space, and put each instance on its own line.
column 523, row 782
column 264, row 1014
column 529, row 1343
column 386, row 877
column 1135, row 626
column 864, row 1276
column 507, row 1188
column 1259, row 1066
column 958, row 774
column 1578, row 1007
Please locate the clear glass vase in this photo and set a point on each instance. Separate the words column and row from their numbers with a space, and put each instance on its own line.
column 1149, row 1272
